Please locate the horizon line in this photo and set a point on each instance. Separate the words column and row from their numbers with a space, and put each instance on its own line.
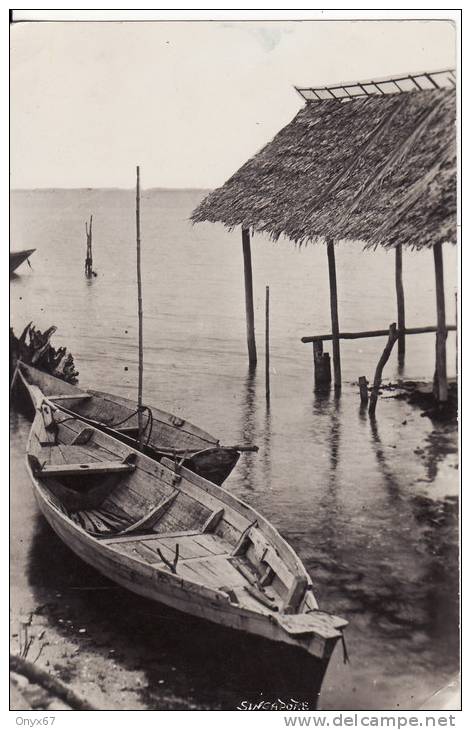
column 106, row 187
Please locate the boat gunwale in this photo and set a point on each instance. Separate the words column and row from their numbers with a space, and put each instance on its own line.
column 163, row 417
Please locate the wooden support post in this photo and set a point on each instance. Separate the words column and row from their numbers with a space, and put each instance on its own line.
column 401, row 320
column 363, row 383
column 139, row 308
column 334, row 314
column 456, row 338
column 441, row 391
column 393, row 335
column 322, row 374
column 249, row 312
column 267, row 343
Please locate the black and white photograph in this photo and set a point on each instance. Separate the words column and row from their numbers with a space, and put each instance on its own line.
column 234, row 362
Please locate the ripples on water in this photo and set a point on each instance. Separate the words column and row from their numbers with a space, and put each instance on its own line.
column 374, row 522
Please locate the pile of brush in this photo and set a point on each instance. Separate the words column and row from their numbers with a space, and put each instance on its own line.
column 34, row 348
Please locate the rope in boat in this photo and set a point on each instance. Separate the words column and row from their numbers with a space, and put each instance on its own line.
column 150, row 421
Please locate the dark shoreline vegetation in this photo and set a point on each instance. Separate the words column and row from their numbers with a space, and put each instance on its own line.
column 420, row 394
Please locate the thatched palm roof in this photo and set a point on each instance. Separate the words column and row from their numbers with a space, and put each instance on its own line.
column 381, row 169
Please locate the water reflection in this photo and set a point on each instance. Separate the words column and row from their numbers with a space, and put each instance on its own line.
column 248, row 427
column 439, row 444
column 265, row 455
column 326, row 406
column 388, row 474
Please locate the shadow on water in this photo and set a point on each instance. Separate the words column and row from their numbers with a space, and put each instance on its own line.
column 199, row 662
column 265, row 456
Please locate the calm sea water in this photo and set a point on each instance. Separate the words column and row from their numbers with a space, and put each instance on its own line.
column 372, row 511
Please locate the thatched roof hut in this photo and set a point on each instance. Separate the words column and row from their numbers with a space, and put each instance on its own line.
column 370, row 161
column 381, row 169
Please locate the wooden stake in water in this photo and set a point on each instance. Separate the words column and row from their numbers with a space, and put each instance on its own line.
column 89, row 257
column 267, row 343
column 139, row 309
column 392, row 337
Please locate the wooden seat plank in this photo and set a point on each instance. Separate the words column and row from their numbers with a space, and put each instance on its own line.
column 92, row 467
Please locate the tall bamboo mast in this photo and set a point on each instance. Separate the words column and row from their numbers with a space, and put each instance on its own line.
column 139, row 308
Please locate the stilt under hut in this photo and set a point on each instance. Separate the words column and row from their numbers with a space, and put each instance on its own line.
column 371, row 161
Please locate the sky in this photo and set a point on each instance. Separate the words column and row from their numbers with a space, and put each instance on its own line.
column 188, row 102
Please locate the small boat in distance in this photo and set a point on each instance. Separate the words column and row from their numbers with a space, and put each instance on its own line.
column 167, row 534
column 17, row 258
column 164, row 434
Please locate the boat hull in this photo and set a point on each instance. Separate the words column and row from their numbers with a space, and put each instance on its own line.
column 214, row 464
column 211, row 460
column 165, row 533
column 165, row 588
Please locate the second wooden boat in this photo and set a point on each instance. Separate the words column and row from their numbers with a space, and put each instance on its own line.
column 165, row 434
column 165, row 533
column 17, row 258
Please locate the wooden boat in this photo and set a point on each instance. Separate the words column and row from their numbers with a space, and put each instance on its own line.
column 17, row 258
column 165, row 434
column 166, row 533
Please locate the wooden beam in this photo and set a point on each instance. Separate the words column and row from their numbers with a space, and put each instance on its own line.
column 249, row 311
column 375, row 333
column 401, row 320
column 334, row 313
column 440, row 345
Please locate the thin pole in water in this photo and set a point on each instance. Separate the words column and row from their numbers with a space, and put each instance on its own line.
column 267, row 343
column 139, row 308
